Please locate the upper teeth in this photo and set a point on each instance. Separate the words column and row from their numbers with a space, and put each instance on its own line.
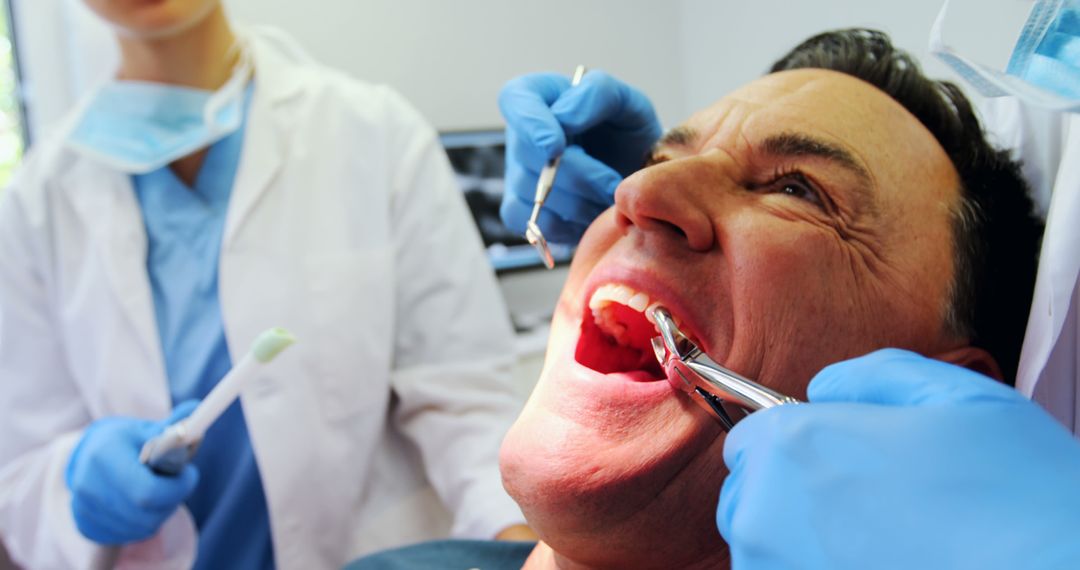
column 617, row 293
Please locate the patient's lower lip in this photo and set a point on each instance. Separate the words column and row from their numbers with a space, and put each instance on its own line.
column 623, row 391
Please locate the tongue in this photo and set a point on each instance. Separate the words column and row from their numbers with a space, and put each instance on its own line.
column 600, row 350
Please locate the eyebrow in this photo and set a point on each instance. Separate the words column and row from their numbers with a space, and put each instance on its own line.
column 788, row 144
column 783, row 144
column 679, row 136
column 801, row 144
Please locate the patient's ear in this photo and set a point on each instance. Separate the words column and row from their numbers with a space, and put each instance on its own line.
column 972, row 358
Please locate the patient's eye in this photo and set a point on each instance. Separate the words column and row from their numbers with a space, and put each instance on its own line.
column 798, row 190
column 795, row 184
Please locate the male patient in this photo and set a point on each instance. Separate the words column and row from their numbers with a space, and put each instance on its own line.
column 841, row 204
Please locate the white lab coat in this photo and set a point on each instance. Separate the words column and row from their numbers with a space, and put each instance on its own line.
column 1049, row 145
column 345, row 226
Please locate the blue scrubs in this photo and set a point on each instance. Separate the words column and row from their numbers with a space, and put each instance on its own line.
column 184, row 227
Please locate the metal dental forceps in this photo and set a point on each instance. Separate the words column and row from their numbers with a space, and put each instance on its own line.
column 543, row 188
column 728, row 396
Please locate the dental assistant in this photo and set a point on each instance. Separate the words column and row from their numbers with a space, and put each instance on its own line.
column 898, row 461
column 221, row 184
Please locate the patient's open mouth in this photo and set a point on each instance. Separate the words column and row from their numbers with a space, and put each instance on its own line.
column 617, row 336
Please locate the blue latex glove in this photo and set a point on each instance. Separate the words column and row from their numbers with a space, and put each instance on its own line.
column 902, row 462
column 115, row 499
column 613, row 126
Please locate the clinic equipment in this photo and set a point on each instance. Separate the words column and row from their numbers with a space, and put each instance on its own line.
column 167, row 453
column 728, row 396
column 543, row 188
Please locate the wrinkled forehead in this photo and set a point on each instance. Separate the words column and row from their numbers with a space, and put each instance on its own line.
column 846, row 112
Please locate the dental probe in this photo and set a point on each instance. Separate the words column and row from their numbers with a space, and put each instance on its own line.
column 543, row 188
column 167, row 453
column 727, row 395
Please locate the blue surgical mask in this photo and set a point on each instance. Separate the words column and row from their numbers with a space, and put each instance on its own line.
column 1048, row 51
column 1044, row 69
column 138, row 127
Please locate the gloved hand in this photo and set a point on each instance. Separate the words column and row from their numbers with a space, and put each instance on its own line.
column 115, row 499
column 613, row 126
column 902, row 462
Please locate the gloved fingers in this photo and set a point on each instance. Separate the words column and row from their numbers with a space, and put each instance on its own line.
column 97, row 525
column 583, row 176
column 759, row 430
column 522, row 155
column 514, row 211
column 901, row 378
column 575, row 196
column 515, row 214
column 523, row 166
column 560, row 209
column 591, row 177
column 601, row 98
column 133, row 506
column 118, row 475
column 765, row 459
column 559, row 230
column 73, row 473
column 578, row 196
column 565, row 216
column 525, row 103
column 181, row 411
column 115, row 523
column 730, row 493
column 108, row 448
column 114, row 497
column 153, row 492
column 580, row 177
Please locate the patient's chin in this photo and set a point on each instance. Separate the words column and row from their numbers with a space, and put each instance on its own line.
column 560, row 485
column 603, row 507
column 595, row 530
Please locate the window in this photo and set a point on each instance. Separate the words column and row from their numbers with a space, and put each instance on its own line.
column 11, row 117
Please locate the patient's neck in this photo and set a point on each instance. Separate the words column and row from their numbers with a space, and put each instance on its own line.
column 544, row 558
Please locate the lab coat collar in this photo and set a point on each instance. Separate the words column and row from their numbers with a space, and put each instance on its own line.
column 278, row 83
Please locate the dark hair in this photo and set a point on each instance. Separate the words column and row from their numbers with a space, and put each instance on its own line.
column 996, row 235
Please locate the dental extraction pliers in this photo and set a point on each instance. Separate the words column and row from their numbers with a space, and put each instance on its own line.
column 726, row 395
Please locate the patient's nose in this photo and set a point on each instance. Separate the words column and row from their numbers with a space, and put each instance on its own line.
column 666, row 198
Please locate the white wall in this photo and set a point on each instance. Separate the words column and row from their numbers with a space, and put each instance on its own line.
column 42, row 49
column 450, row 58
column 727, row 43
